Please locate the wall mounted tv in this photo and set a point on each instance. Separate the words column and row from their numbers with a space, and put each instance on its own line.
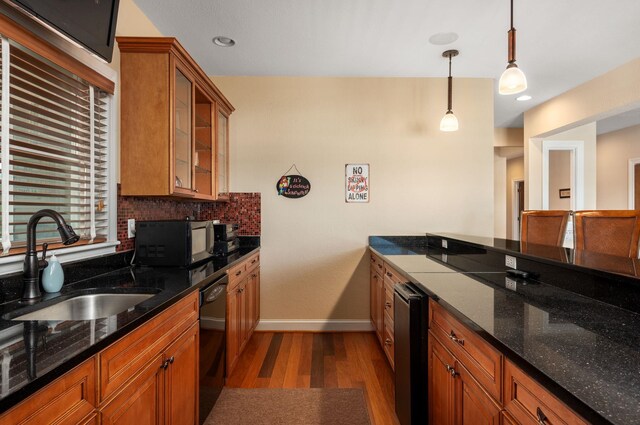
column 92, row 23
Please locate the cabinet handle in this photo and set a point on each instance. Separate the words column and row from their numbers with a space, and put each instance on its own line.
column 373, row 260
column 254, row 275
column 240, row 290
column 451, row 370
column 454, row 338
column 379, row 266
column 254, row 260
column 165, row 364
column 387, row 305
column 171, row 359
column 542, row 418
column 387, row 341
column 389, row 274
column 239, row 272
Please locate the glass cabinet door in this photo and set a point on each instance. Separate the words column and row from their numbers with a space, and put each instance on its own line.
column 183, row 136
column 223, row 154
column 203, row 159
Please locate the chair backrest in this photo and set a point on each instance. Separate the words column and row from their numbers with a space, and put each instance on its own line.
column 544, row 227
column 613, row 232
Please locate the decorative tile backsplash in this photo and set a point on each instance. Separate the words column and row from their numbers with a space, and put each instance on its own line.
column 242, row 208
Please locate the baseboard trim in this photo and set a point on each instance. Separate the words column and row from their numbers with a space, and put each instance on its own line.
column 315, row 325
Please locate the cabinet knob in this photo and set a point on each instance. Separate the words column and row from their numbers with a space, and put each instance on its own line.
column 454, row 338
column 171, row 359
column 451, row 370
column 389, row 274
column 165, row 364
column 373, row 260
column 387, row 305
column 387, row 341
column 542, row 418
column 254, row 260
column 239, row 272
column 379, row 266
column 254, row 275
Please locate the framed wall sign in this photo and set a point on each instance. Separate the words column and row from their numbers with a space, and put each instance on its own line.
column 357, row 183
column 565, row 193
column 293, row 185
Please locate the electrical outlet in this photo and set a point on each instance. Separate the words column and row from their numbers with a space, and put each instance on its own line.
column 131, row 228
column 510, row 284
column 444, row 244
column 510, row 261
column 445, row 257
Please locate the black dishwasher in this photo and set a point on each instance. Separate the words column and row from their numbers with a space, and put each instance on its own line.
column 410, row 356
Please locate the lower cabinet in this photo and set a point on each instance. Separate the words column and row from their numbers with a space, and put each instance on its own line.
column 149, row 376
column 455, row 397
column 69, row 399
column 243, row 307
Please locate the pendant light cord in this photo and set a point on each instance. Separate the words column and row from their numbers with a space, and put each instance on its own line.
column 511, row 14
column 450, row 81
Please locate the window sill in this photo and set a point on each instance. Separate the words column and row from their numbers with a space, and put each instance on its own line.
column 13, row 263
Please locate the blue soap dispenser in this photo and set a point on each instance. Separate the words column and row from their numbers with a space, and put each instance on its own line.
column 52, row 275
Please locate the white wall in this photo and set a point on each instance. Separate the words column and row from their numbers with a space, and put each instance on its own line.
column 314, row 263
column 614, row 151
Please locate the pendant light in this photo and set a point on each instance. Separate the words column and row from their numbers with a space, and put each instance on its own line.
column 449, row 121
column 512, row 80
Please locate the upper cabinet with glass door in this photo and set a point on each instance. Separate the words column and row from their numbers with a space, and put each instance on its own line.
column 171, row 140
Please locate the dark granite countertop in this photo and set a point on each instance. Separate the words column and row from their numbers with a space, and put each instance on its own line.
column 60, row 346
column 585, row 351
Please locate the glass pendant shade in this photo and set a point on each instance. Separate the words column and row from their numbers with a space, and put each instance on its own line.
column 449, row 122
column 512, row 80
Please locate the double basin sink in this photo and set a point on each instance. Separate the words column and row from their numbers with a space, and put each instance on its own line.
column 82, row 306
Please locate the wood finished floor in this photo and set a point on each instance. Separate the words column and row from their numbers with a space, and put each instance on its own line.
column 320, row 360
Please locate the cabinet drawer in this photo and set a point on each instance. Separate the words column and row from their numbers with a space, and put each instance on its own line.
column 529, row 403
column 482, row 360
column 392, row 276
column 236, row 274
column 253, row 262
column 123, row 359
column 388, row 343
column 388, row 306
column 377, row 264
column 67, row 400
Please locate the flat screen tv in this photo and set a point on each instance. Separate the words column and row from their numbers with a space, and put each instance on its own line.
column 92, row 23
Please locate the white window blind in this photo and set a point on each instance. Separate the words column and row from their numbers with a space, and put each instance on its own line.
column 53, row 148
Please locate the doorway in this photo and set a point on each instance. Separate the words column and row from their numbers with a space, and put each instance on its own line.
column 576, row 167
column 518, row 207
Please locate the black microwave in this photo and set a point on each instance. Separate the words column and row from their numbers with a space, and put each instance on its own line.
column 173, row 242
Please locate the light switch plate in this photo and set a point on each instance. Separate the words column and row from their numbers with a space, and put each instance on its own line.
column 131, row 228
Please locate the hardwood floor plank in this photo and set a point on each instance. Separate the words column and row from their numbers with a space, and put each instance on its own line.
column 317, row 362
column 280, row 364
column 293, row 363
column 270, row 359
column 304, row 371
column 242, row 367
column 338, row 341
column 254, row 367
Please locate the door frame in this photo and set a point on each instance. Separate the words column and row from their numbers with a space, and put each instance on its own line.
column 577, row 170
column 632, row 182
column 515, row 222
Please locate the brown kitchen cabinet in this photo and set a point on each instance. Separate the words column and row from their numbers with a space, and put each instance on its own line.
column 376, row 296
column 149, row 376
column 455, row 397
column 70, row 399
column 528, row 402
column 243, row 307
column 174, row 123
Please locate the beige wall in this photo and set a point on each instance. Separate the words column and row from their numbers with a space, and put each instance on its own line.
column 515, row 171
column 609, row 94
column 313, row 249
column 499, row 196
column 614, row 151
column 559, row 178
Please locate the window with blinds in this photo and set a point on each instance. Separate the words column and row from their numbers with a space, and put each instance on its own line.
column 53, row 149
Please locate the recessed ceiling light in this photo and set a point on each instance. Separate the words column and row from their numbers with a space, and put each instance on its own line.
column 223, row 41
column 523, row 97
column 442, row 38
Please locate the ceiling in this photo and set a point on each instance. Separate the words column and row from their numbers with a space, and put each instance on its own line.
column 561, row 44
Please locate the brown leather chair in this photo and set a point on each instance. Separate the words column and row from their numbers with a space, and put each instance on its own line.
column 543, row 227
column 613, row 232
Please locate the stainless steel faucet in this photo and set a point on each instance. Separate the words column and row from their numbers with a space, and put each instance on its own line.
column 32, row 266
